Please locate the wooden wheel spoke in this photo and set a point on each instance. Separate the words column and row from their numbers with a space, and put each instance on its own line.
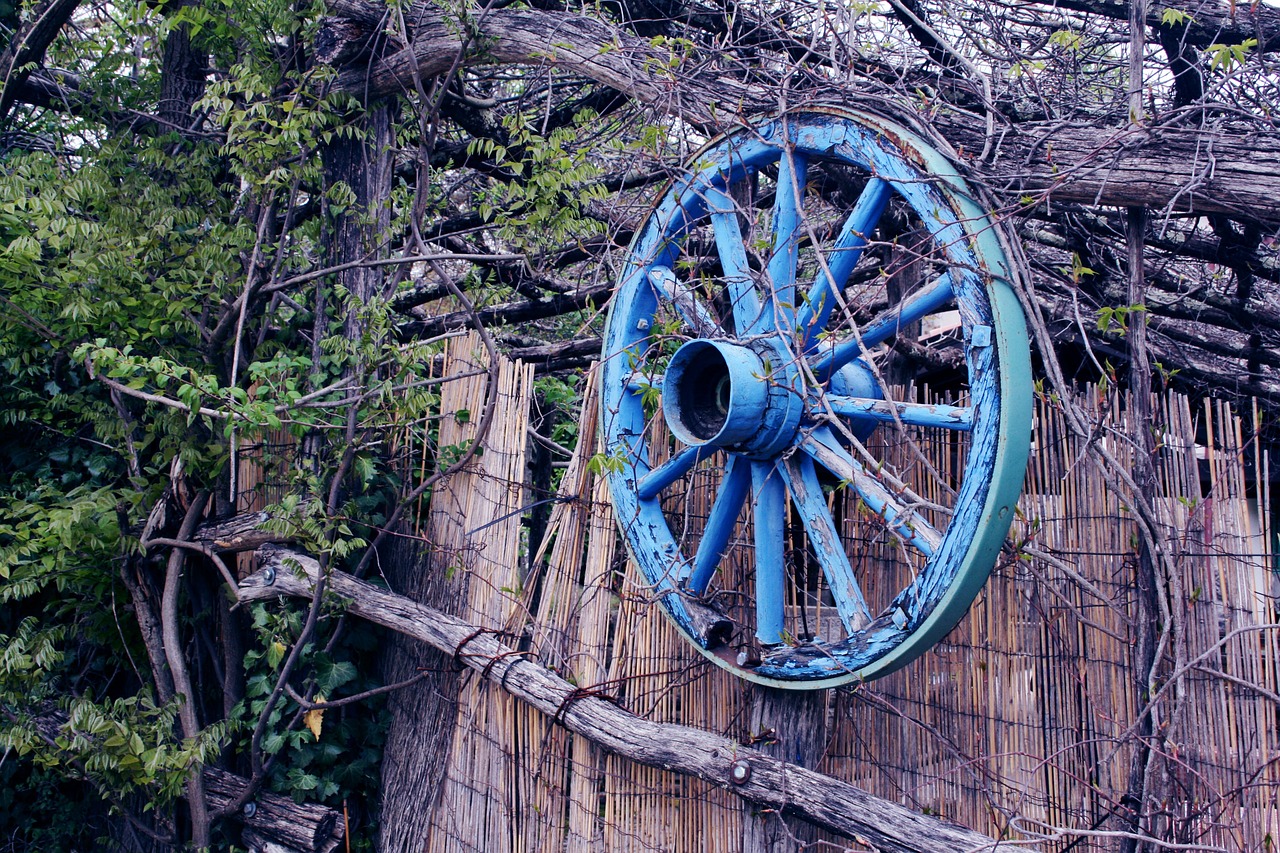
column 787, row 212
column 641, row 380
column 745, row 283
column 901, row 520
column 673, row 469
column 958, row 418
column 690, row 308
column 812, row 317
column 915, row 307
column 769, row 498
column 720, row 524
column 824, row 538
column 748, row 315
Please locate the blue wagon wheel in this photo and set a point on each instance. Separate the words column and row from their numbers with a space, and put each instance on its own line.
column 767, row 481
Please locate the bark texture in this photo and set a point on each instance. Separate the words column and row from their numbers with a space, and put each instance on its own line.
column 416, row 753
column 1171, row 169
column 771, row 783
column 791, row 726
column 27, row 48
column 277, row 820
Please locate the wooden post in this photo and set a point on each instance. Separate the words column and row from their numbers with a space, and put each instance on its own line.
column 791, row 726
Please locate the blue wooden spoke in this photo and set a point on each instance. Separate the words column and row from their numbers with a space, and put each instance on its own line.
column 917, row 414
column 769, row 511
column 721, row 523
column 673, row 469
column 639, row 381
column 748, row 314
column 841, row 259
column 915, row 307
column 824, row 538
column 664, row 281
column 902, row 521
column 787, row 212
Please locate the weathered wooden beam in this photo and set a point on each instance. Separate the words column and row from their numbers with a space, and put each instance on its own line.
column 586, row 45
column 1206, row 21
column 509, row 312
column 1166, row 169
column 563, row 355
column 1202, row 171
column 823, row 800
column 245, row 532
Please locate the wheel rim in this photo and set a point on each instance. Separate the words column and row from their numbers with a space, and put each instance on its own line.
column 774, row 384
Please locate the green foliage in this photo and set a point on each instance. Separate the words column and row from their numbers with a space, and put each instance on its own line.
column 339, row 763
column 1066, row 39
column 166, row 316
column 1226, row 57
column 562, row 395
column 604, row 463
column 1077, row 271
column 1117, row 317
column 553, row 180
column 119, row 256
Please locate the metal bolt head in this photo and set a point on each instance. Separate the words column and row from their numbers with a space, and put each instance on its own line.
column 642, row 324
column 740, row 772
column 268, row 578
column 250, row 809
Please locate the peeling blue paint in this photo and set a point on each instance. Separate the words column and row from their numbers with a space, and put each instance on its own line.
column 760, row 410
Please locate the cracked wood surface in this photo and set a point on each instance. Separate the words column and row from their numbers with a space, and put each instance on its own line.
column 1174, row 169
column 823, row 800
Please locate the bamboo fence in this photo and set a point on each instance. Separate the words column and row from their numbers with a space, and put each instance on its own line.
column 1019, row 724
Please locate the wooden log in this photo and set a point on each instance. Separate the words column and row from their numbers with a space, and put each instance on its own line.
column 274, row 819
column 769, row 782
column 1208, row 21
column 563, row 355
column 245, row 532
column 509, row 312
column 1180, row 170
column 1234, row 172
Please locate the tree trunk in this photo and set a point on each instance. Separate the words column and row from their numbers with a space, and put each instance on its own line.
column 422, row 716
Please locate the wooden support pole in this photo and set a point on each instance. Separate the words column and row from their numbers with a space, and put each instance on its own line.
column 828, row 802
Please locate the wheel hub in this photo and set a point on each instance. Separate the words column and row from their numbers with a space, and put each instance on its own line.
column 743, row 398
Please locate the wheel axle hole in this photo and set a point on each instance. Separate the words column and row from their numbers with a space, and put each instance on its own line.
column 705, row 394
column 723, row 394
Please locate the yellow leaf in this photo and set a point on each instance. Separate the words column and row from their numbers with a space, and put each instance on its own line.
column 275, row 653
column 314, row 718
